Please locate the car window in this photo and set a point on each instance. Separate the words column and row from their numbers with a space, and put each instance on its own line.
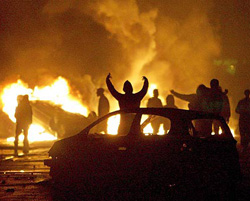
column 113, row 125
column 107, row 126
column 155, row 125
column 208, row 127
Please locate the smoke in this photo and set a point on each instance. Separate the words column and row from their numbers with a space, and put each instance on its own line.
column 170, row 42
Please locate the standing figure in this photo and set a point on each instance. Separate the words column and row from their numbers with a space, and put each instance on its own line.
column 129, row 100
column 23, row 117
column 225, row 112
column 103, row 108
column 155, row 102
column 199, row 102
column 170, row 103
column 215, row 97
column 243, row 109
column 218, row 103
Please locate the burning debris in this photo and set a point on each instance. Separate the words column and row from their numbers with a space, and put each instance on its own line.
column 85, row 40
column 49, row 103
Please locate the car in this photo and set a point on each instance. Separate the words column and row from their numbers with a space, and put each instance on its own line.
column 187, row 161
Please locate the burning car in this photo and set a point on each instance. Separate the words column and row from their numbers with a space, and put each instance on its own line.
column 184, row 162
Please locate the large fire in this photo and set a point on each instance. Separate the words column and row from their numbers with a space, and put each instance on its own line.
column 57, row 93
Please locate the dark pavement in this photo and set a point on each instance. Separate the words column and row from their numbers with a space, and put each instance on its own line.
column 25, row 177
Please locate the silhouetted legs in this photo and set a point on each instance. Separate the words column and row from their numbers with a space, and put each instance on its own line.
column 244, row 134
column 25, row 140
column 155, row 125
column 216, row 127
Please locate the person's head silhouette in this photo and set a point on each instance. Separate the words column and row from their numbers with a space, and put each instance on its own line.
column 214, row 84
column 156, row 93
column 170, row 100
column 127, row 87
column 99, row 91
column 201, row 90
column 25, row 98
column 247, row 93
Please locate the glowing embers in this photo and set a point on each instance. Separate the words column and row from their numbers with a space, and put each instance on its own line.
column 220, row 132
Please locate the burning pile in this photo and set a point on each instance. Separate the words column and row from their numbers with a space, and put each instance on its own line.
column 58, row 94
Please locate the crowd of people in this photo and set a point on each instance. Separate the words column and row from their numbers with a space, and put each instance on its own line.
column 206, row 99
column 210, row 99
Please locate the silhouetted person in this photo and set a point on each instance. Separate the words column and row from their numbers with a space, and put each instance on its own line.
column 103, row 108
column 155, row 102
column 129, row 100
column 92, row 117
column 56, row 124
column 215, row 97
column 243, row 109
column 23, row 117
column 225, row 112
column 198, row 102
column 170, row 103
column 215, row 102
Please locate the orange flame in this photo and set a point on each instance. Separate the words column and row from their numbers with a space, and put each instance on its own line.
column 57, row 93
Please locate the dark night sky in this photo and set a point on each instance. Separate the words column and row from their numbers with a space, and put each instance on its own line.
column 171, row 42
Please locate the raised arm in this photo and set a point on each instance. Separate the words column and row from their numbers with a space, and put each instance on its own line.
column 111, row 88
column 185, row 97
column 144, row 89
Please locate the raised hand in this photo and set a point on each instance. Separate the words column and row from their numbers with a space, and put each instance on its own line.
column 109, row 76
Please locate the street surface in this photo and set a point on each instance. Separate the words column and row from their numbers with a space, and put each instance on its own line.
column 24, row 177
column 27, row 178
